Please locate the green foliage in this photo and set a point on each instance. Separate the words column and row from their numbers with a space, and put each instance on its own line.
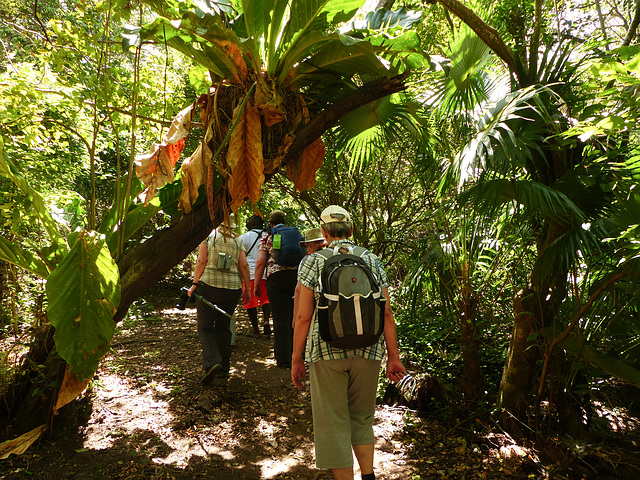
column 83, row 293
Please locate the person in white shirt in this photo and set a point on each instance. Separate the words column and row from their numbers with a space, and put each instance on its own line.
column 251, row 239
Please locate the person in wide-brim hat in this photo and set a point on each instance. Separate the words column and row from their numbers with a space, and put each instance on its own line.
column 311, row 236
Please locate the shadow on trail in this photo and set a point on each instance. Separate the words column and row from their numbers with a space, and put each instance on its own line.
column 149, row 417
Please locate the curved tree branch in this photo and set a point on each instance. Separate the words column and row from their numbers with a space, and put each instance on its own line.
column 488, row 34
column 146, row 263
column 633, row 28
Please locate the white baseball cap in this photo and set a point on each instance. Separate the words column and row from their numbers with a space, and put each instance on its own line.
column 334, row 213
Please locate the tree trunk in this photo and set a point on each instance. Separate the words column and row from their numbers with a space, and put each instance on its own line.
column 472, row 378
column 28, row 398
column 517, row 376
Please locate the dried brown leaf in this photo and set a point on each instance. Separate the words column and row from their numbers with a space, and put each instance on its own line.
column 244, row 157
column 234, row 55
column 19, row 445
column 193, row 174
column 70, row 389
column 155, row 169
column 303, row 171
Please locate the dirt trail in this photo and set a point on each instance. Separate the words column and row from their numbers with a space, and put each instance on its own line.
column 149, row 417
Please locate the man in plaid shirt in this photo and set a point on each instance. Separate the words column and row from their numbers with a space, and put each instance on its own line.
column 343, row 381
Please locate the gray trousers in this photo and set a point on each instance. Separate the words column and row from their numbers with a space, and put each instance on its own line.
column 213, row 327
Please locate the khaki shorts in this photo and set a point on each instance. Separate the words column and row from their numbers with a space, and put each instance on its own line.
column 343, row 401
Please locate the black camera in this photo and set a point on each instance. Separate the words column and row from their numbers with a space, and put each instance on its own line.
column 184, row 298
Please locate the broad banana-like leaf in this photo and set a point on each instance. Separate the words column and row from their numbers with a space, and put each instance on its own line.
column 9, row 170
column 303, row 172
column 12, row 253
column 309, row 18
column 205, row 39
column 71, row 387
column 83, row 292
column 386, row 20
column 136, row 217
column 316, row 15
column 244, row 156
column 576, row 344
column 155, row 169
column 264, row 20
column 402, row 50
column 340, row 58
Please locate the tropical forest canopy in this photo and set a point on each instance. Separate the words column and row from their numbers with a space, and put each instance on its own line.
column 488, row 151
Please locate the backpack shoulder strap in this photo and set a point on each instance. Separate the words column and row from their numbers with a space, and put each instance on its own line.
column 359, row 251
column 326, row 252
column 255, row 241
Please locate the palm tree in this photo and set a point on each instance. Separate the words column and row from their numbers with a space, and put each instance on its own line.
column 524, row 158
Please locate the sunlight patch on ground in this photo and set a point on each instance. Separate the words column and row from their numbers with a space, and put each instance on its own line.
column 125, row 410
column 388, row 425
column 128, row 413
column 271, row 468
column 618, row 418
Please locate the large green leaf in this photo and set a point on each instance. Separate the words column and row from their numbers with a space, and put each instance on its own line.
column 83, row 293
column 12, row 253
column 263, row 22
column 308, row 17
column 339, row 58
column 192, row 35
column 383, row 19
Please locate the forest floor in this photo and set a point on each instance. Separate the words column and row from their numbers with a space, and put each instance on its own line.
column 147, row 416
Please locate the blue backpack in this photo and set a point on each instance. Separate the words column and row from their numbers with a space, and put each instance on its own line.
column 286, row 247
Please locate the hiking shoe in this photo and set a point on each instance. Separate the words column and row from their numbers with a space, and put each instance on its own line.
column 210, row 373
column 267, row 329
column 253, row 334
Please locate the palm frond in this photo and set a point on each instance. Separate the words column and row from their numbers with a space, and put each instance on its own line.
column 488, row 197
column 373, row 127
column 465, row 82
column 570, row 249
column 496, row 132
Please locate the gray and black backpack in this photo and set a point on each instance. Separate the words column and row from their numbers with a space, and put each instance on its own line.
column 351, row 306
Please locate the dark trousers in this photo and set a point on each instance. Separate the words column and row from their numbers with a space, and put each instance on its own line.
column 213, row 327
column 280, row 289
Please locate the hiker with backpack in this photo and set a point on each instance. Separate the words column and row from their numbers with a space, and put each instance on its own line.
column 220, row 271
column 280, row 253
column 251, row 239
column 343, row 326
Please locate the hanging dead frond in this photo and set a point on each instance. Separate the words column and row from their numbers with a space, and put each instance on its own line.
column 194, row 171
column 155, row 169
column 244, row 157
column 302, row 172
